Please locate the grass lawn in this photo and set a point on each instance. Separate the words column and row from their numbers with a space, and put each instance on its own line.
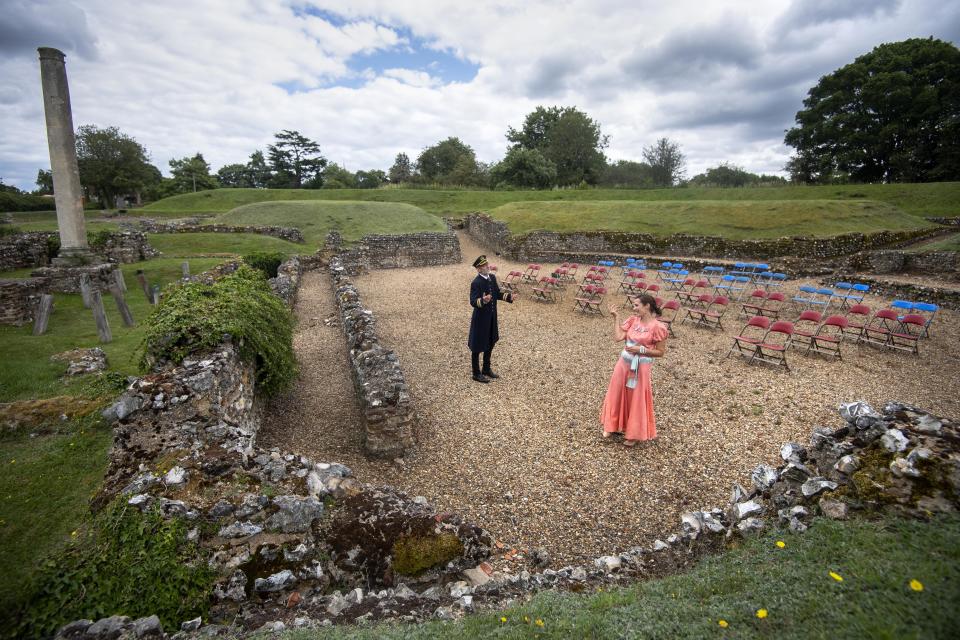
column 949, row 243
column 175, row 245
column 736, row 220
column 46, row 483
column 351, row 219
column 876, row 560
column 927, row 199
column 27, row 371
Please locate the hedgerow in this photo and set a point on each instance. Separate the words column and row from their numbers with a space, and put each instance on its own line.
column 195, row 317
column 266, row 261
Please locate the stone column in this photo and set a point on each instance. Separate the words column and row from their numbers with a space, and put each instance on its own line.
column 63, row 160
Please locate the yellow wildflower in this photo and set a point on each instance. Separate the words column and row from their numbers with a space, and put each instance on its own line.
column 723, row 623
column 761, row 613
column 503, row 619
column 526, row 619
column 836, row 576
column 539, row 622
column 916, row 585
column 781, row 544
column 73, row 533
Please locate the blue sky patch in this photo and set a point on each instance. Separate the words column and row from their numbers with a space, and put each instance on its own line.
column 418, row 56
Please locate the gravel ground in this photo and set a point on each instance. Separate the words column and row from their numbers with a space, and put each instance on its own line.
column 522, row 456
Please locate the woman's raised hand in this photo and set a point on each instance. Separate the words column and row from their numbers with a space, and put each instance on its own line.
column 613, row 310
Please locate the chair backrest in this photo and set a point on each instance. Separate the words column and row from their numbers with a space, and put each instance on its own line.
column 758, row 321
column 600, row 291
column 761, row 266
column 859, row 309
column 779, row 276
column 705, row 299
column 689, row 282
column 588, row 288
column 641, row 285
column 759, row 293
column 701, row 284
column 658, row 301
column 514, row 274
column 739, row 265
column 721, row 301
column 742, row 279
column 825, row 292
column 885, row 314
column 776, row 296
column 835, row 321
column 677, row 265
column 810, row 316
column 666, row 265
column 862, row 288
column 807, row 288
column 728, row 278
column 846, row 286
column 671, row 304
column 913, row 318
column 906, row 305
column 653, row 288
column 782, row 326
column 574, row 265
column 929, row 307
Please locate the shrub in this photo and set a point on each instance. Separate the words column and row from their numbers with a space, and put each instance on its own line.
column 266, row 261
column 9, row 230
column 99, row 238
column 124, row 563
column 10, row 201
column 194, row 317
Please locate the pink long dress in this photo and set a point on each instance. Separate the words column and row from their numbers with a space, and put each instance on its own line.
column 630, row 411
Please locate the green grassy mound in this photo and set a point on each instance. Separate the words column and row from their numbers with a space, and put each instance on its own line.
column 759, row 591
column 352, row 219
column 949, row 243
column 928, row 199
column 735, row 220
column 204, row 244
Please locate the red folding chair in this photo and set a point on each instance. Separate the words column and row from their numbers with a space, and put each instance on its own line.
column 773, row 348
column 857, row 318
column 907, row 336
column 512, row 282
column 745, row 343
column 531, row 273
column 805, row 327
column 696, row 308
column 671, row 309
column 828, row 337
column 773, row 306
column 714, row 314
column 689, row 295
column 879, row 327
column 754, row 303
column 546, row 290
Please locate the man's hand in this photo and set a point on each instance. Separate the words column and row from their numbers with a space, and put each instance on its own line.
column 487, row 297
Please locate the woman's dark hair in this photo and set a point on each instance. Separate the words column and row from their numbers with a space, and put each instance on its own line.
column 651, row 302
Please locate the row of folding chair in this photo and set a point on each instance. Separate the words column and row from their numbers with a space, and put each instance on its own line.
column 706, row 311
column 589, row 299
column 927, row 310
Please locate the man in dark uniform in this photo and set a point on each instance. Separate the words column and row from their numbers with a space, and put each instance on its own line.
column 484, row 293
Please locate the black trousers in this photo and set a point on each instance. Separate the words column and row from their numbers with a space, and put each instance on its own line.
column 475, row 360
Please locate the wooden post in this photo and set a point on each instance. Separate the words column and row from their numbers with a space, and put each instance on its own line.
column 100, row 317
column 156, row 294
column 185, row 267
column 122, row 307
column 43, row 314
column 118, row 278
column 85, row 289
column 144, row 285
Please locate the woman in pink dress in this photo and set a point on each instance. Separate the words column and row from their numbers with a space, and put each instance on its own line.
column 628, row 406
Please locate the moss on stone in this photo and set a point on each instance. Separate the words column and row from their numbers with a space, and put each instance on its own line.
column 873, row 475
column 413, row 554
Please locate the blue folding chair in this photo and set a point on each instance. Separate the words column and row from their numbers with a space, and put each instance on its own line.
column 739, row 269
column 850, row 294
column 805, row 297
column 902, row 307
column 822, row 298
column 927, row 311
column 711, row 273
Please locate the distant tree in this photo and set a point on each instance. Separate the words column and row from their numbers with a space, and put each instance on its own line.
column 337, row 177
column 295, row 161
column 725, row 175
column 234, row 176
column 667, row 162
column 369, row 179
column 627, row 174
column 111, row 164
column 44, row 183
column 191, row 174
column 891, row 115
column 449, row 162
column 525, row 169
column 401, row 171
column 259, row 171
column 568, row 138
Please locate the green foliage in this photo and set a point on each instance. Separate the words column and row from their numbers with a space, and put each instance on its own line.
column 413, row 554
column 667, row 163
column 9, row 230
column 265, row 261
column 98, row 239
column 191, row 174
column 626, row 174
column 295, row 161
column 44, row 182
column 112, row 163
column 10, row 201
column 727, row 175
column 568, row 138
column 194, row 317
column 401, row 170
column 125, row 563
column 337, row 177
column 524, row 168
column 892, row 115
column 449, row 162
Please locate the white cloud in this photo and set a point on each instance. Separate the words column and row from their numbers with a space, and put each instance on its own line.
column 722, row 78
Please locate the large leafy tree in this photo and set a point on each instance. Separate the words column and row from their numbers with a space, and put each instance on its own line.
column 892, row 115
column 667, row 162
column 111, row 164
column 191, row 174
column 568, row 138
column 524, row 168
column 401, row 170
column 370, row 179
column 44, row 182
column 449, row 162
column 296, row 161
column 234, row 176
column 626, row 173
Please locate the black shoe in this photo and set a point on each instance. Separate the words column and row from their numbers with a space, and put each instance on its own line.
column 479, row 377
column 491, row 375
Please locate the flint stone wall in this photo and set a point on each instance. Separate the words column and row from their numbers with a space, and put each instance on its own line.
column 67, row 279
column 942, row 263
column 375, row 251
column 382, row 391
column 32, row 249
column 193, row 226
column 551, row 246
column 19, row 300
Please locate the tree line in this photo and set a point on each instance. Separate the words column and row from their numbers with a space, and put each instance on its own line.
column 892, row 115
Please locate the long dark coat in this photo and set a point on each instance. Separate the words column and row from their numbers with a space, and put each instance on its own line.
column 483, row 325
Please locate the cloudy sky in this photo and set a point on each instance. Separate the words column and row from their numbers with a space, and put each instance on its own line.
column 368, row 79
